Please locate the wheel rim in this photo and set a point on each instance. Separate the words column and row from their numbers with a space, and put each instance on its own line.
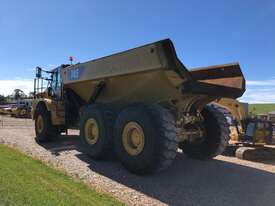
column 39, row 124
column 133, row 138
column 91, row 131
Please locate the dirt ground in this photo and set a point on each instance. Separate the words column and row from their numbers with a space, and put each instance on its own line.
column 221, row 181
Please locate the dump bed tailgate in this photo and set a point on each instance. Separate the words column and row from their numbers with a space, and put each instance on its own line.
column 224, row 80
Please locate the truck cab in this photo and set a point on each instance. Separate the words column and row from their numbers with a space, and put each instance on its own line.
column 48, row 94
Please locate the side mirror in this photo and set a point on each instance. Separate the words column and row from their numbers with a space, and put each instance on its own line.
column 38, row 72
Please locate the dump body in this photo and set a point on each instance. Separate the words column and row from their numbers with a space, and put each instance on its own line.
column 153, row 74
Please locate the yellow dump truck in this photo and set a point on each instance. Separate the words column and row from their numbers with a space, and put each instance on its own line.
column 22, row 108
column 21, row 111
column 142, row 103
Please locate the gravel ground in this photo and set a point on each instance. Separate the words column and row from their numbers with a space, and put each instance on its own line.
column 222, row 181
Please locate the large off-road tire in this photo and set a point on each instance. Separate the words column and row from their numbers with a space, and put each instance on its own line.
column 44, row 129
column 96, row 131
column 145, row 138
column 216, row 137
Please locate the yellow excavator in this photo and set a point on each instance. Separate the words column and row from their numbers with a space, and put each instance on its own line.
column 248, row 135
column 244, row 129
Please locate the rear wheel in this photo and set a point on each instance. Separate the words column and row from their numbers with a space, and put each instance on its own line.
column 145, row 138
column 216, row 136
column 95, row 131
column 44, row 129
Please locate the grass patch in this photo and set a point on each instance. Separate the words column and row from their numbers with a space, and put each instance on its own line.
column 25, row 181
column 261, row 108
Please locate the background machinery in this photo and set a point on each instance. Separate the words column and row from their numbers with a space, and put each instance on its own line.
column 22, row 109
column 250, row 132
column 245, row 129
column 142, row 103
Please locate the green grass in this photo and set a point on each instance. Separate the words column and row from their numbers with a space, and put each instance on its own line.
column 25, row 181
column 261, row 108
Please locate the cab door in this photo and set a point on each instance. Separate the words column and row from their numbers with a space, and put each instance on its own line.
column 57, row 84
column 58, row 114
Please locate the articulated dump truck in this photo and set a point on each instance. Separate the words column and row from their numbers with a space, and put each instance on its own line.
column 142, row 104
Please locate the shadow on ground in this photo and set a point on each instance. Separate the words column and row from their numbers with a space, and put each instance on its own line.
column 187, row 182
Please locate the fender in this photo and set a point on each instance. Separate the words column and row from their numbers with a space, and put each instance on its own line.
column 55, row 108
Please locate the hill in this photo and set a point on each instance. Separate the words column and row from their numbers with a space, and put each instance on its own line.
column 261, row 108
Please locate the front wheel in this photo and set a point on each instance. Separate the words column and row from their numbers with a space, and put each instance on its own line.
column 44, row 129
column 145, row 138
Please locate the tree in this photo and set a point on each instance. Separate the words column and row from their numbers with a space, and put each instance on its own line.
column 2, row 99
column 19, row 94
column 31, row 94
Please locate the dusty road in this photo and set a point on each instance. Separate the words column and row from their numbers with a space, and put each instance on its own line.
column 222, row 181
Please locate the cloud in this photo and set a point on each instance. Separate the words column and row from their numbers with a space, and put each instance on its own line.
column 259, row 91
column 7, row 86
column 259, row 97
column 260, row 83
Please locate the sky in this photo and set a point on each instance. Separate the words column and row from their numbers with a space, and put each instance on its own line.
column 45, row 33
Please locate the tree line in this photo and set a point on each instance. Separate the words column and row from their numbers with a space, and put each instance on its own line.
column 16, row 95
